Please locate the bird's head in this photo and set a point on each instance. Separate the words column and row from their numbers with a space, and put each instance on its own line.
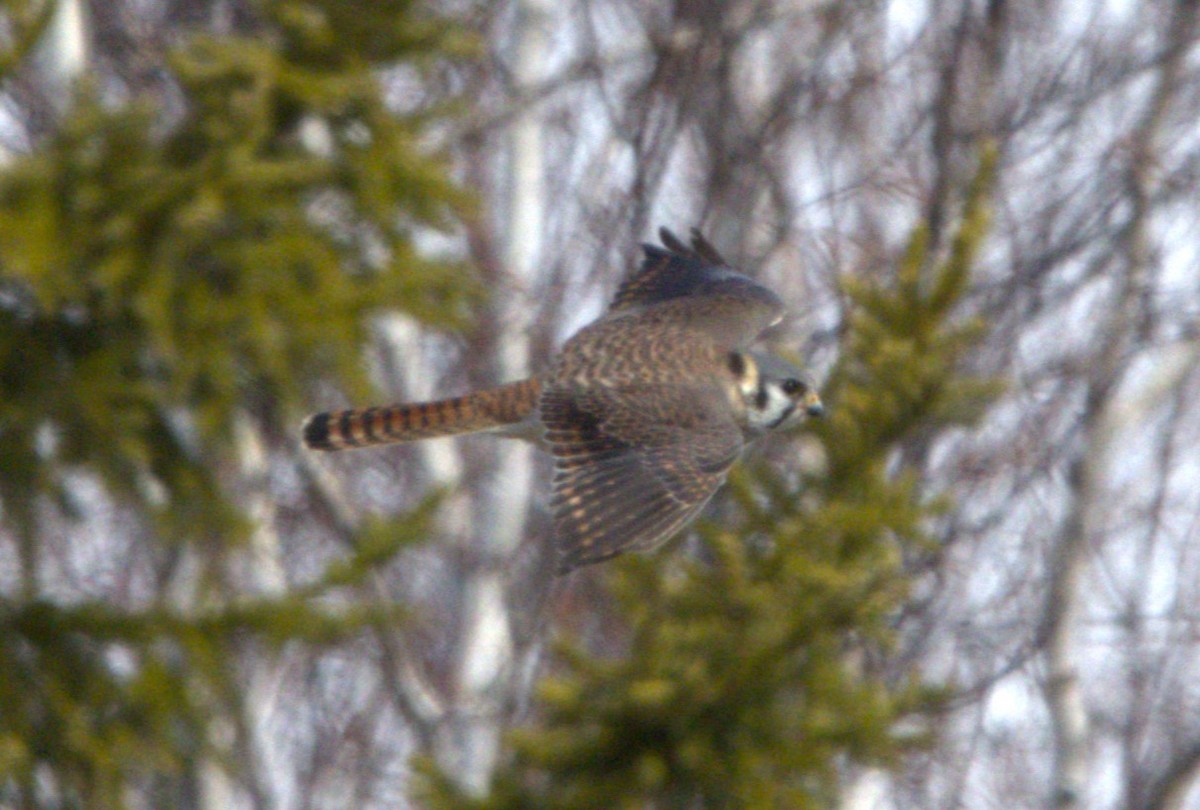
column 774, row 392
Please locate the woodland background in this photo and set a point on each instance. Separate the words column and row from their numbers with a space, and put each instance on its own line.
column 973, row 585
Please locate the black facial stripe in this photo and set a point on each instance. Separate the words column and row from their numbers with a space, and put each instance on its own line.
column 737, row 364
column 761, row 398
column 782, row 417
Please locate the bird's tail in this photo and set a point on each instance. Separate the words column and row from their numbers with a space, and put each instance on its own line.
column 495, row 408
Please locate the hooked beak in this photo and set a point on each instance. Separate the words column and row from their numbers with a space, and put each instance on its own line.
column 813, row 405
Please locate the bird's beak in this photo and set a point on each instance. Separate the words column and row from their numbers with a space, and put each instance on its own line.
column 813, row 405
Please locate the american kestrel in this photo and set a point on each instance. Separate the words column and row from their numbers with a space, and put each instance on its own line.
column 645, row 409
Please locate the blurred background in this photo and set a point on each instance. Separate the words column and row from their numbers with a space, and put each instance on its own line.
column 973, row 585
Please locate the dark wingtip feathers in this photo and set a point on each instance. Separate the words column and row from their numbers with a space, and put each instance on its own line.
column 700, row 248
column 672, row 242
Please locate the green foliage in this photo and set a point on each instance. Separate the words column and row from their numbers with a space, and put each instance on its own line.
column 747, row 681
column 27, row 20
column 165, row 272
column 101, row 696
column 220, row 264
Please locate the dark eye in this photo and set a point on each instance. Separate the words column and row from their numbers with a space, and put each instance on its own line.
column 792, row 386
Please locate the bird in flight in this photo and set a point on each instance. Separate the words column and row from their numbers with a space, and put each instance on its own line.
column 645, row 409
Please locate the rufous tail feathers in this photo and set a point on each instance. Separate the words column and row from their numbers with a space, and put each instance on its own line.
column 367, row 427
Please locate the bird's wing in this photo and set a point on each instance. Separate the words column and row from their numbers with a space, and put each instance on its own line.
column 634, row 464
column 694, row 286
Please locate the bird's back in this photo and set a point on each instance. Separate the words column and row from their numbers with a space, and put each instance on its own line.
column 637, row 348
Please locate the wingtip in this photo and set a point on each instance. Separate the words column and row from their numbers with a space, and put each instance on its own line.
column 706, row 250
column 654, row 251
column 672, row 242
column 700, row 248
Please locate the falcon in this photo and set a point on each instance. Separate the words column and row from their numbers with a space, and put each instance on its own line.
column 645, row 410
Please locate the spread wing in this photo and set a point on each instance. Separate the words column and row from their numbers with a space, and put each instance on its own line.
column 672, row 271
column 696, row 287
column 633, row 465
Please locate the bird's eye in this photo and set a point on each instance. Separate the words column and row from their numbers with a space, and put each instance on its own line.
column 792, row 386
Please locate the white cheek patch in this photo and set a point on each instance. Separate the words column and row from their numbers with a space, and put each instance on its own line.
column 784, row 415
column 772, row 408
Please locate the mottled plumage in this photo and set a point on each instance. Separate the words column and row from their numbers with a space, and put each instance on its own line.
column 645, row 410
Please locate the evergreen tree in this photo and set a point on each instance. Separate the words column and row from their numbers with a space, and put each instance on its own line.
column 164, row 272
column 746, row 680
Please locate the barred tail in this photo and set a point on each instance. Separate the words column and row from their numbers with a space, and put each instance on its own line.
column 507, row 405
